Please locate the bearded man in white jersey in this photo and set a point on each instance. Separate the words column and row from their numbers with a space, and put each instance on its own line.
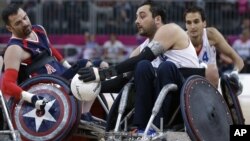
column 206, row 41
column 155, row 63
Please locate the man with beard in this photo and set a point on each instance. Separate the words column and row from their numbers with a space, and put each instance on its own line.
column 155, row 63
column 29, row 46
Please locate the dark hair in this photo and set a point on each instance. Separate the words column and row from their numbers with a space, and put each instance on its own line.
column 194, row 9
column 9, row 10
column 156, row 10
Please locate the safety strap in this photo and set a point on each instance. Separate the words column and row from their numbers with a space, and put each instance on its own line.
column 38, row 62
column 186, row 72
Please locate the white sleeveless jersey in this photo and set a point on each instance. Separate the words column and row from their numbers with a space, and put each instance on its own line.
column 208, row 52
column 185, row 58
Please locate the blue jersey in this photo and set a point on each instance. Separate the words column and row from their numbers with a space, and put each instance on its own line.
column 35, row 48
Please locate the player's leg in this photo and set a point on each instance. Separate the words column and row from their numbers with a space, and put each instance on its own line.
column 168, row 73
column 145, row 93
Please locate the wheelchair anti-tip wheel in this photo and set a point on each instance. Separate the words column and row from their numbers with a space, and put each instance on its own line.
column 60, row 117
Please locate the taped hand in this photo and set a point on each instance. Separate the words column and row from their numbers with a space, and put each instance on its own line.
column 89, row 74
column 235, row 82
column 38, row 101
column 95, row 74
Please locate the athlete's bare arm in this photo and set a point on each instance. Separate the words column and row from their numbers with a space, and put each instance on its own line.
column 171, row 36
column 13, row 57
column 217, row 39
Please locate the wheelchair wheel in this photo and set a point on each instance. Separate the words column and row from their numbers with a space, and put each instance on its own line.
column 128, row 113
column 232, row 101
column 61, row 116
column 203, row 106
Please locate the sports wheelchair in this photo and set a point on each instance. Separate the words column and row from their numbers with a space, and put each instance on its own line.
column 201, row 105
column 207, row 114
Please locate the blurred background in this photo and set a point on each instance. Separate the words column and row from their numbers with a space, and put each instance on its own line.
column 87, row 28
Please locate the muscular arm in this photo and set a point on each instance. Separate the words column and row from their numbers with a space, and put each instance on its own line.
column 169, row 36
column 221, row 44
column 165, row 38
column 12, row 59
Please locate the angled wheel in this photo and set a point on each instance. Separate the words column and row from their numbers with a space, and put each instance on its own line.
column 61, row 115
column 205, row 113
column 232, row 100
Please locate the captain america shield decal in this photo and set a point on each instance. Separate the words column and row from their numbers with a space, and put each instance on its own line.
column 45, row 124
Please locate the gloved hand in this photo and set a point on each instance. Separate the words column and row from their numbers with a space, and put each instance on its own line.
column 93, row 74
column 235, row 82
column 38, row 101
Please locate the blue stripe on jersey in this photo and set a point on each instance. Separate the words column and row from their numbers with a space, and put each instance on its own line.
column 35, row 48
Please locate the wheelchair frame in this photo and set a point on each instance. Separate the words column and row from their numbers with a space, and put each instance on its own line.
column 117, row 134
column 15, row 134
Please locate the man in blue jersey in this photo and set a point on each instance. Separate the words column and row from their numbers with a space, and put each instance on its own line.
column 29, row 46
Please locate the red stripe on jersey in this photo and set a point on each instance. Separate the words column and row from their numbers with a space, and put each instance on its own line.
column 198, row 50
column 56, row 53
column 25, row 43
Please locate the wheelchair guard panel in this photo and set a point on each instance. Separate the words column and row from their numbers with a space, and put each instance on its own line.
column 232, row 101
column 61, row 116
column 205, row 113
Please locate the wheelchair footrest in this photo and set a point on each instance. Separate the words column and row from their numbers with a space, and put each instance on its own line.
column 91, row 125
column 173, row 136
column 85, row 133
column 89, row 129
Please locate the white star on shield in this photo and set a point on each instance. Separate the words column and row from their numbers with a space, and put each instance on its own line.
column 39, row 119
